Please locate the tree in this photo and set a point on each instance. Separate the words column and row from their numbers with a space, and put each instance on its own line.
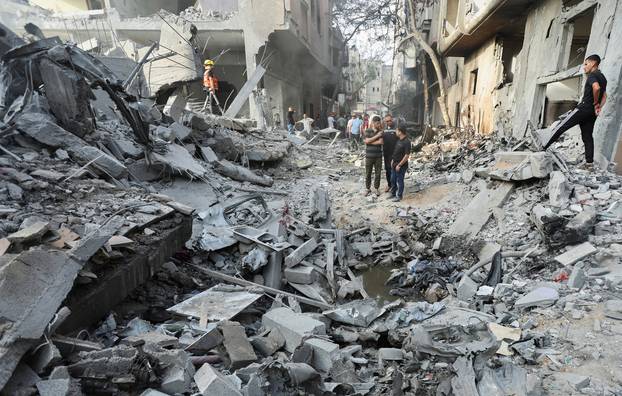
column 381, row 18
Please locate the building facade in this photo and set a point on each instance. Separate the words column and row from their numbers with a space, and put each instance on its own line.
column 510, row 62
column 293, row 39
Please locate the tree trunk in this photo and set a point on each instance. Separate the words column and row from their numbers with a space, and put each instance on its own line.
column 414, row 34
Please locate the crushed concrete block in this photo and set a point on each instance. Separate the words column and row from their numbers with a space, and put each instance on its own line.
column 47, row 174
column 57, row 387
column 540, row 297
column 32, row 232
column 268, row 345
column 177, row 378
column 467, row 288
column 390, row 354
column 301, row 252
column 211, row 339
column 152, row 392
column 208, row 154
column 559, row 189
column 213, row 383
column 180, row 131
column 577, row 381
column 582, row 224
column 324, row 353
column 303, row 274
column 576, row 253
column 613, row 309
column 577, row 277
column 152, row 337
column 293, row 326
column 238, row 347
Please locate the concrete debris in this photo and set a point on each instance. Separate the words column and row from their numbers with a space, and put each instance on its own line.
column 141, row 251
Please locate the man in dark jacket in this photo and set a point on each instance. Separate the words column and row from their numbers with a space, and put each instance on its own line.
column 399, row 164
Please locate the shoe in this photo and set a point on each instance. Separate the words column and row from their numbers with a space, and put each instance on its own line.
column 396, row 199
column 367, row 193
column 377, row 192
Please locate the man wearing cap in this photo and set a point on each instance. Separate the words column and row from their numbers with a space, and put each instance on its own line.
column 210, row 82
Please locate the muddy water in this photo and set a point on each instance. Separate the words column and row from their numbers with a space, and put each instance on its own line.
column 374, row 279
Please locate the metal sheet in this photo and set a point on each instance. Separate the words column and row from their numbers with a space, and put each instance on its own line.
column 220, row 304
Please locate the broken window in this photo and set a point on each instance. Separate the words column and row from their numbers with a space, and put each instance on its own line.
column 579, row 29
column 473, row 82
column 511, row 48
column 561, row 96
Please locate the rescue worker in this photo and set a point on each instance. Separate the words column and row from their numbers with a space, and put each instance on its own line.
column 210, row 82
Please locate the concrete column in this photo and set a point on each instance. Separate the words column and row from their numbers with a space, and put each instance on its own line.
column 251, row 49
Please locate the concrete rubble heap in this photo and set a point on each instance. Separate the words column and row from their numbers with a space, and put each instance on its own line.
column 147, row 254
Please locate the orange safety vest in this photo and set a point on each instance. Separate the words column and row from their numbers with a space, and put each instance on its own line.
column 210, row 82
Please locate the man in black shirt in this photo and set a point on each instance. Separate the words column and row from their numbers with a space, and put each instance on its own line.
column 584, row 115
column 399, row 164
column 373, row 154
column 390, row 139
column 290, row 121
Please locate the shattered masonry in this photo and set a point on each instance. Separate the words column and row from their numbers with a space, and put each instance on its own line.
column 149, row 248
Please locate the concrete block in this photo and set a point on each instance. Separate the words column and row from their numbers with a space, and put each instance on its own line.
column 540, row 297
column 238, row 347
column 301, row 274
column 576, row 253
column 467, row 288
column 34, row 231
column 324, row 353
column 299, row 254
column 57, row 387
column 390, row 354
column 577, row 381
column 213, row 383
column 577, row 277
column 181, row 132
column 178, row 377
column 270, row 344
column 559, row 189
column 293, row 326
column 208, row 154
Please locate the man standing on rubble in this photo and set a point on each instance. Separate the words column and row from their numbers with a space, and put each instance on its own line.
column 373, row 154
column 390, row 140
column 357, row 124
column 331, row 120
column 584, row 115
column 210, row 83
column 399, row 164
column 290, row 120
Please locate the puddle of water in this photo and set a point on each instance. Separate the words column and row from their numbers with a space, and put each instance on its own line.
column 374, row 279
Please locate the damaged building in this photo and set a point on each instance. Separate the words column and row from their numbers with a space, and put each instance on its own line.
column 507, row 63
column 293, row 41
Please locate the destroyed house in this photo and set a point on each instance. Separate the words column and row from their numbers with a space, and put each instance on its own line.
column 507, row 63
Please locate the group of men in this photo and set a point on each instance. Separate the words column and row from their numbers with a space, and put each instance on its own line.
column 388, row 146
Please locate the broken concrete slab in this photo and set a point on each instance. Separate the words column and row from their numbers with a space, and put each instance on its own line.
column 467, row 288
column 240, row 173
column 56, row 387
column 48, row 175
column 577, row 381
column 97, row 159
column 239, row 349
column 293, row 326
column 152, row 337
column 359, row 313
column 180, row 160
column 559, row 189
column 478, row 211
column 301, row 252
column 211, row 382
column 521, row 165
column 209, row 304
column 577, row 277
column 539, row 297
column 390, row 354
column 33, row 232
column 211, row 339
column 68, row 95
column 268, row 345
column 576, row 253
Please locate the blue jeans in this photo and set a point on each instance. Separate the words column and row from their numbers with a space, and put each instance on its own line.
column 290, row 129
column 397, row 181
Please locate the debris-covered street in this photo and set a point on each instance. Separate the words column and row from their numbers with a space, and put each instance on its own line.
column 193, row 202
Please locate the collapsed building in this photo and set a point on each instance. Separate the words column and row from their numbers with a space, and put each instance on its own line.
column 507, row 63
column 293, row 41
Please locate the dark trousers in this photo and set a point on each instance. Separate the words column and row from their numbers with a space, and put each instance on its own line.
column 387, row 170
column 373, row 165
column 397, row 181
column 585, row 119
